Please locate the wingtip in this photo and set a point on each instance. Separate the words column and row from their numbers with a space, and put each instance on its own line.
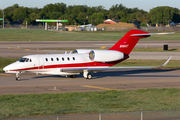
column 166, row 62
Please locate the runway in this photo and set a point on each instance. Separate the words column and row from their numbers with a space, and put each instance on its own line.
column 109, row 80
column 81, row 44
column 17, row 49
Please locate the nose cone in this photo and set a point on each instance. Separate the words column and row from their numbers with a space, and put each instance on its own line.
column 7, row 68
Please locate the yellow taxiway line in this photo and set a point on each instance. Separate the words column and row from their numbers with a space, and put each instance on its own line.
column 102, row 47
column 98, row 87
column 18, row 48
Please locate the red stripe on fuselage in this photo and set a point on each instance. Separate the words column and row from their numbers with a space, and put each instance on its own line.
column 73, row 65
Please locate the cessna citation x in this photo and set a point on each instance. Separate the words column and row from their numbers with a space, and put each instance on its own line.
column 85, row 61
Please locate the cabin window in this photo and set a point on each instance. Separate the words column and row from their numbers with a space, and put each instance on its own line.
column 68, row 58
column 46, row 59
column 73, row 58
column 57, row 59
column 62, row 59
column 51, row 59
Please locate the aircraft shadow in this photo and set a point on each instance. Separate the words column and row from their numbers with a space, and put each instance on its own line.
column 120, row 73
column 133, row 73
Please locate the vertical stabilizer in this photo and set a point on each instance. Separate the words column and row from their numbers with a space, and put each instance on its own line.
column 129, row 40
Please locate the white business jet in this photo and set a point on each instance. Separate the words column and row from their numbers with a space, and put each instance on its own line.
column 85, row 61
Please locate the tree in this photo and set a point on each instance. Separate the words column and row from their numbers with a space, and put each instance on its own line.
column 124, row 20
column 131, row 16
column 28, row 21
column 112, row 15
column 20, row 14
column 96, row 18
column 57, row 7
column 176, row 17
column 32, row 18
column 54, row 15
column 162, row 15
column 90, row 10
column 9, row 11
column 143, row 24
column 82, row 13
column 117, row 7
column 77, row 9
column 121, row 14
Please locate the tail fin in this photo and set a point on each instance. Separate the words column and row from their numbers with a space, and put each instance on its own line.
column 129, row 40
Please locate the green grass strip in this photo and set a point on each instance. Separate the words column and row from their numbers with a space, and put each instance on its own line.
column 6, row 61
column 155, row 50
column 89, row 102
column 43, row 35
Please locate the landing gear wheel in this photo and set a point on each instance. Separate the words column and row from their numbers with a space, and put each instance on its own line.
column 18, row 78
column 72, row 76
column 89, row 76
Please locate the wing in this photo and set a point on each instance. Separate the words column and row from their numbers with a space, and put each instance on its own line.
column 96, row 69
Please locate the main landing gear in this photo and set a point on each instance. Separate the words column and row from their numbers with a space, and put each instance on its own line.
column 87, row 75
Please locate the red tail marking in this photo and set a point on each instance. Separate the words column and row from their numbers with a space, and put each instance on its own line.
column 128, row 42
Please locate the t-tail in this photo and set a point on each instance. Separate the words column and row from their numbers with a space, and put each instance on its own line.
column 129, row 40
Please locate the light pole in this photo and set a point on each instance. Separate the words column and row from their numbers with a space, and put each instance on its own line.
column 3, row 19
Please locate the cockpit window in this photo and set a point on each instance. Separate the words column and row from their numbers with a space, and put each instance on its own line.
column 23, row 60
column 27, row 60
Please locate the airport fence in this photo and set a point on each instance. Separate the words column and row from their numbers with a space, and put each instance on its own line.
column 142, row 115
column 160, row 28
column 109, row 28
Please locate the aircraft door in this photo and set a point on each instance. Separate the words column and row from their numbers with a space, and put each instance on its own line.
column 41, row 62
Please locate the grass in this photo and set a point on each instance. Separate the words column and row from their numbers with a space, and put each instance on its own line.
column 42, row 35
column 130, row 62
column 155, row 50
column 89, row 102
column 6, row 61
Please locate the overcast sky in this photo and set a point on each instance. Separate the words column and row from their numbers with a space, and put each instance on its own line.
column 141, row 4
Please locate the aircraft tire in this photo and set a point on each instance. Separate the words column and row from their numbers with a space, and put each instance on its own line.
column 18, row 78
column 89, row 76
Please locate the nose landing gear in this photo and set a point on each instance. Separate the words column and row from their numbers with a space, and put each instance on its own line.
column 17, row 77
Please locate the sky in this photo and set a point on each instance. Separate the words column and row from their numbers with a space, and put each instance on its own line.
column 141, row 4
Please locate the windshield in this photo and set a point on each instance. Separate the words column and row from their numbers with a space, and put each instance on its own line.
column 23, row 60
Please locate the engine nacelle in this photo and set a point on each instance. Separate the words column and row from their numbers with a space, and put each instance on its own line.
column 105, row 55
column 81, row 51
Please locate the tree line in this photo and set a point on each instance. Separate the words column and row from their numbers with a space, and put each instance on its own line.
column 82, row 14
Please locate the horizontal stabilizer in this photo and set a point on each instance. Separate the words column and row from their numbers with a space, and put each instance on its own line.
column 161, row 33
column 149, row 34
column 140, row 35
